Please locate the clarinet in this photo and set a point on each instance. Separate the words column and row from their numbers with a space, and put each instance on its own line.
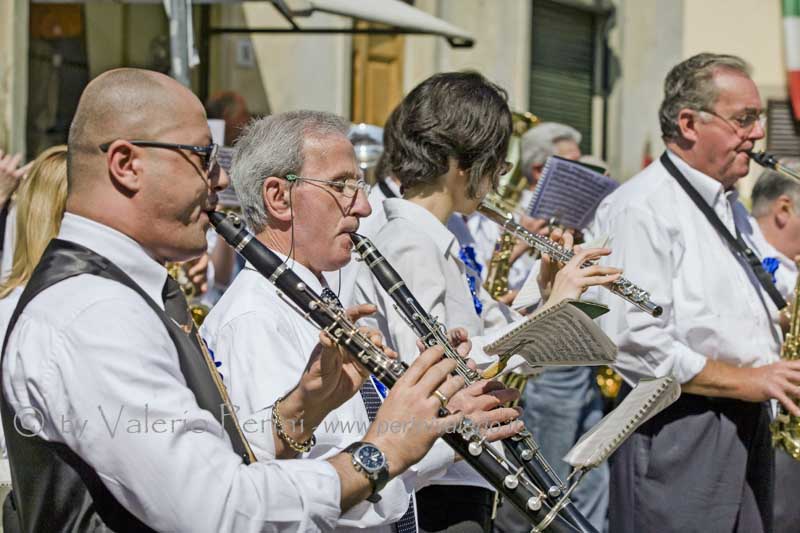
column 522, row 447
column 622, row 287
column 466, row 439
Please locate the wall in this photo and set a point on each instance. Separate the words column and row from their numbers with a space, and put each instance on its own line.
column 502, row 50
column 123, row 35
column 13, row 74
column 291, row 71
column 646, row 40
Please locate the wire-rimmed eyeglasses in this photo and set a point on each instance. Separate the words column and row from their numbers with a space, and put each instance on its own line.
column 744, row 122
column 347, row 188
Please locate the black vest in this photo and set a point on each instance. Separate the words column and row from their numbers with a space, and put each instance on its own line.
column 53, row 488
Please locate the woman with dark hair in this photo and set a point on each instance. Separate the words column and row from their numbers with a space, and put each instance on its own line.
column 446, row 142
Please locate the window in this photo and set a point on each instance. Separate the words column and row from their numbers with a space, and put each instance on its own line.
column 562, row 66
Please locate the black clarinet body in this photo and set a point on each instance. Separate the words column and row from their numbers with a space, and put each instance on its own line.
column 466, row 440
column 522, row 447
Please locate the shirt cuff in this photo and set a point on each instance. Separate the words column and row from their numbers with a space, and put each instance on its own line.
column 687, row 364
column 319, row 488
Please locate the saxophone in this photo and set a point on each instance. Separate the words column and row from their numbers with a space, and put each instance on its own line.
column 786, row 427
column 507, row 197
column 197, row 310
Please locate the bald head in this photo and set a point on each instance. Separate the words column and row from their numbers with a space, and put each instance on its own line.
column 123, row 103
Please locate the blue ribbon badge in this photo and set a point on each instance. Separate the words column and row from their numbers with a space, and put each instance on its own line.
column 467, row 256
column 771, row 265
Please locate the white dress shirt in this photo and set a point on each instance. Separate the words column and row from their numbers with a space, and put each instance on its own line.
column 714, row 307
column 425, row 254
column 92, row 357
column 264, row 346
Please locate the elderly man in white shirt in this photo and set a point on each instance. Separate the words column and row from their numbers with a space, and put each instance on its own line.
column 707, row 458
column 302, row 194
column 115, row 418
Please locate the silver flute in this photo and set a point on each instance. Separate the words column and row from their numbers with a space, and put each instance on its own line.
column 522, row 447
column 621, row 287
column 466, row 438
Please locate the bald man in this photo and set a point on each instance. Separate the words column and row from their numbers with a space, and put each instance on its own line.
column 115, row 417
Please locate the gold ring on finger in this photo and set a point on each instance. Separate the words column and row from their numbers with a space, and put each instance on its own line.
column 442, row 398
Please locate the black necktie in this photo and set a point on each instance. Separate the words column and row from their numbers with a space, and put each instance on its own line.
column 372, row 402
column 175, row 304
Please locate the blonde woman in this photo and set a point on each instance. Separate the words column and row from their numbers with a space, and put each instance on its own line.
column 39, row 208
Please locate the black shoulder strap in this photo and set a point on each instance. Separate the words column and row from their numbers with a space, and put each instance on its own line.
column 737, row 244
column 385, row 189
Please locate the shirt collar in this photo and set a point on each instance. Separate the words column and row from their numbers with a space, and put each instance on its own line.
column 709, row 189
column 429, row 224
column 118, row 248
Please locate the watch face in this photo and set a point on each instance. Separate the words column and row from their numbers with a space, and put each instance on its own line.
column 370, row 457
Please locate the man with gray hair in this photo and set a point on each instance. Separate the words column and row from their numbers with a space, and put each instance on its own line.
column 544, row 140
column 302, row 194
column 705, row 462
column 776, row 209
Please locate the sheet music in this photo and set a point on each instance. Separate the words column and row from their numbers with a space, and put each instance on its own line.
column 562, row 335
column 569, row 192
column 646, row 400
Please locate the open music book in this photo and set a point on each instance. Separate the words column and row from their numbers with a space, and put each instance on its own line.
column 647, row 399
column 569, row 192
column 562, row 335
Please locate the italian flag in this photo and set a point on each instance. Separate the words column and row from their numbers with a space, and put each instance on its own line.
column 791, row 30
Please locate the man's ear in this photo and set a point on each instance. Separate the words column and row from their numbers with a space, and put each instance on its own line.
column 687, row 124
column 275, row 194
column 125, row 167
column 536, row 171
column 782, row 210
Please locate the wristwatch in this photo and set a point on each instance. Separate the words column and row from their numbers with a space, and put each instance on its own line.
column 371, row 462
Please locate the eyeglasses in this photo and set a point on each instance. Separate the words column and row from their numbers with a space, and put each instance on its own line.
column 347, row 188
column 208, row 153
column 742, row 123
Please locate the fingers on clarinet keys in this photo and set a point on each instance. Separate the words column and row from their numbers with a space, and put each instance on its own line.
column 442, row 398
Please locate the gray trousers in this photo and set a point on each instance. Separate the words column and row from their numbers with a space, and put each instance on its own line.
column 700, row 465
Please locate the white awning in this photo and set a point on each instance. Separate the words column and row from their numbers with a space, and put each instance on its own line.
column 391, row 12
column 394, row 13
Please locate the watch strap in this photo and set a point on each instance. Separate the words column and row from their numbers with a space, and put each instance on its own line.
column 379, row 479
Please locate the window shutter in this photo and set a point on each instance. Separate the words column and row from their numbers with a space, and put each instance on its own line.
column 783, row 134
column 562, row 66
